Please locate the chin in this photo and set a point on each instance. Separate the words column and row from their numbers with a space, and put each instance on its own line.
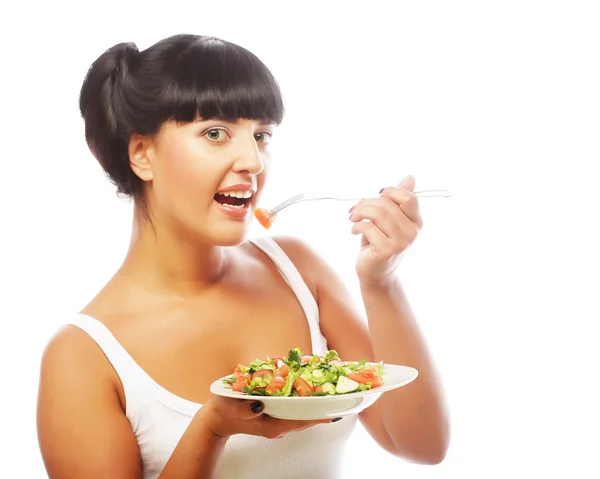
column 232, row 236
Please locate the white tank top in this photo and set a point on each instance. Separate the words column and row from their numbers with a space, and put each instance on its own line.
column 159, row 418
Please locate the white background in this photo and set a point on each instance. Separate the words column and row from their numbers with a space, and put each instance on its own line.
column 497, row 101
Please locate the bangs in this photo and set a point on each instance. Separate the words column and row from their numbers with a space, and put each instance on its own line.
column 217, row 79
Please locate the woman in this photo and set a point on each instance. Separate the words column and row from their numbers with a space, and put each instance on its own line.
column 184, row 128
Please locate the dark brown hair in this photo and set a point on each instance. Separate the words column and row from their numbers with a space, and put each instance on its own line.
column 179, row 78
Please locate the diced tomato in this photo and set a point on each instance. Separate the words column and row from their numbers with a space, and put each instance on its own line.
column 262, row 373
column 303, row 388
column 282, row 371
column 369, row 375
column 241, row 382
column 276, row 384
column 264, row 217
column 318, row 389
column 238, row 371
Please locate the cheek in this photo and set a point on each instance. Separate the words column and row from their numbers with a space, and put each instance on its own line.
column 261, row 179
column 183, row 174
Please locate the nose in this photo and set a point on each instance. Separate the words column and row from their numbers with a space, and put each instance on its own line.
column 248, row 157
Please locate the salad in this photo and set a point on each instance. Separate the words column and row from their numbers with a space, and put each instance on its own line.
column 299, row 375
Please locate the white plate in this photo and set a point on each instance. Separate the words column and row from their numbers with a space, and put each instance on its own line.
column 323, row 407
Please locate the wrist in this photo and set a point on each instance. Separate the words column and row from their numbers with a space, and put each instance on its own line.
column 380, row 284
column 212, row 437
column 209, row 428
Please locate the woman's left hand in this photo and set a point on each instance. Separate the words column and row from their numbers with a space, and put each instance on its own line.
column 388, row 224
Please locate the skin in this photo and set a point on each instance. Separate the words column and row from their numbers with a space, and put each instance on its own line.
column 189, row 279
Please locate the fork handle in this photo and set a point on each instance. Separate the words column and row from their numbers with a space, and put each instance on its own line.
column 422, row 193
column 419, row 194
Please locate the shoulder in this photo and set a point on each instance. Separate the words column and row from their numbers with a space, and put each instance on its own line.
column 302, row 256
column 313, row 268
column 316, row 272
column 73, row 361
column 80, row 419
column 297, row 250
column 68, row 343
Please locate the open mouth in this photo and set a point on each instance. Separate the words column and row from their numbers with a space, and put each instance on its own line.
column 236, row 199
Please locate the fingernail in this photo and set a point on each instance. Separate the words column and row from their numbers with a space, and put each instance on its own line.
column 351, row 209
column 337, row 419
column 351, row 216
column 257, row 407
column 381, row 190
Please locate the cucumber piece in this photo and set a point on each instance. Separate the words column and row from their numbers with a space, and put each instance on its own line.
column 346, row 385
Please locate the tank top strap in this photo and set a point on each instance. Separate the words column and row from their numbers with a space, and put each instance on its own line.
column 294, row 279
column 134, row 380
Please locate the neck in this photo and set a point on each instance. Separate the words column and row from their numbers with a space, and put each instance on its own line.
column 163, row 261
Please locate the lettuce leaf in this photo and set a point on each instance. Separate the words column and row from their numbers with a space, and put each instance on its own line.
column 260, row 382
column 331, row 354
column 289, row 382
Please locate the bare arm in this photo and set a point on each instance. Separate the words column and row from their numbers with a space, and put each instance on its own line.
column 411, row 421
column 82, row 429
column 419, row 428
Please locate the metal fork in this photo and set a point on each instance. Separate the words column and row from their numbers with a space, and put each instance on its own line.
column 307, row 197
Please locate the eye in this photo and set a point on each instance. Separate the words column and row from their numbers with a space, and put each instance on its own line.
column 216, row 134
column 263, row 137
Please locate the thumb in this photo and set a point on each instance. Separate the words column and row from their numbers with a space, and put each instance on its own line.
column 408, row 183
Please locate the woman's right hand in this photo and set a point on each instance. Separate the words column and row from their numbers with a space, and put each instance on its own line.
column 225, row 417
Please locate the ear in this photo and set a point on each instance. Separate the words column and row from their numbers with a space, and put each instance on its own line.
column 141, row 153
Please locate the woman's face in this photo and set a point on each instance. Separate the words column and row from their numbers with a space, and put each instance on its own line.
column 207, row 176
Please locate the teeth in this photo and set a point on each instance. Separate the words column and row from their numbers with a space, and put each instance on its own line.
column 238, row 194
column 233, row 206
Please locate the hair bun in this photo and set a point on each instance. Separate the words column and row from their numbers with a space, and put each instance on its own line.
column 124, row 56
column 103, row 106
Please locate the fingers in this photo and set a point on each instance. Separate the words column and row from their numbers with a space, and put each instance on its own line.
column 381, row 245
column 408, row 183
column 383, row 212
column 387, row 229
column 276, row 428
column 406, row 200
column 238, row 408
column 322, row 421
column 227, row 416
